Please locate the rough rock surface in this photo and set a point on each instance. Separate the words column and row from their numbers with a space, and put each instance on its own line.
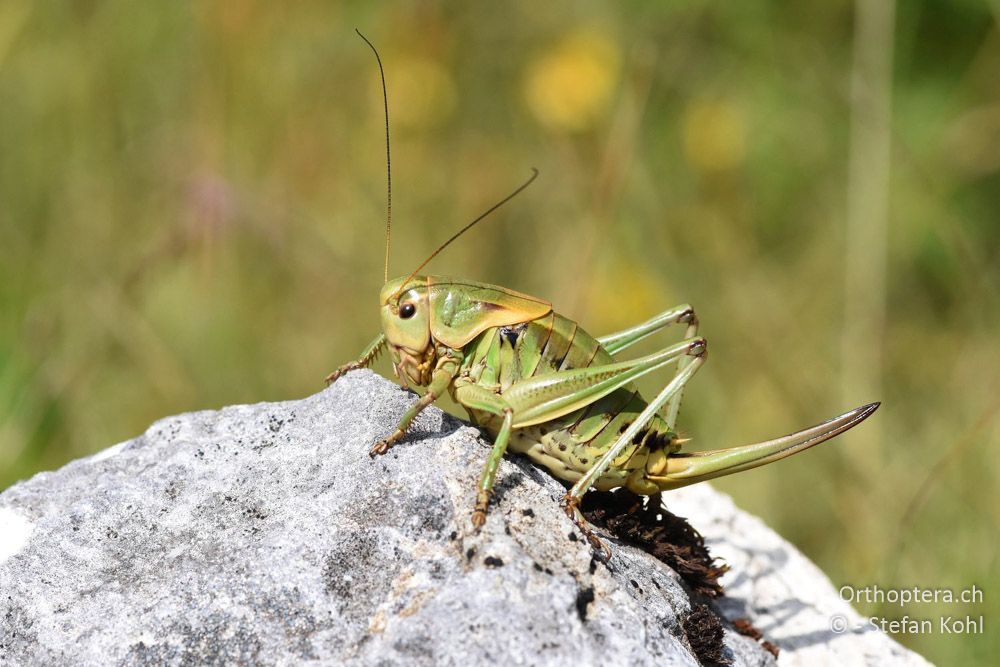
column 264, row 534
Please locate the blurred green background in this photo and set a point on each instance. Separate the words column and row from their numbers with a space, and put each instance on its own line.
column 192, row 210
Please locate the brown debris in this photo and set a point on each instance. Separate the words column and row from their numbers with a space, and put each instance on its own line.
column 747, row 629
column 668, row 537
column 674, row 541
column 705, row 634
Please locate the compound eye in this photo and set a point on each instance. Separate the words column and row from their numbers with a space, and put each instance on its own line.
column 407, row 310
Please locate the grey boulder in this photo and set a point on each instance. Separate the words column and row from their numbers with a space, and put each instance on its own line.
column 264, row 534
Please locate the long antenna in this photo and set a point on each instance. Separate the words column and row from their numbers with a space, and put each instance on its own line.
column 534, row 175
column 388, row 159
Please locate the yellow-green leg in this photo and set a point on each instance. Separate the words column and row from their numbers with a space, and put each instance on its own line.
column 682, row 314
column 620, row 340
column 698, row 350
column 440, row 381
column 475, row 397
column 546, row 397
column 368, row 356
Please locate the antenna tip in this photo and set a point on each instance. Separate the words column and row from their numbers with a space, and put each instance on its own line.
column 367, row 41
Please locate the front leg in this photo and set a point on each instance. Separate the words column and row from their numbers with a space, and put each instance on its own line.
column 366, row 358
column 440, row 381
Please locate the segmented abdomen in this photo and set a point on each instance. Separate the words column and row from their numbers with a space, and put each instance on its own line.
column 569, row 445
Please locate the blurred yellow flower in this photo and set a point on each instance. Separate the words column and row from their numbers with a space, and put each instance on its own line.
column 425, row 90
column 714, row 135
column 568, row 88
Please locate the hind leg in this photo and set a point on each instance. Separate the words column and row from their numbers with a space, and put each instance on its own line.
column 545, row 397
column 620, row 340
column 697, row 350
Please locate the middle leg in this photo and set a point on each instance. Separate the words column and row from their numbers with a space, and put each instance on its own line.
column 475, row 397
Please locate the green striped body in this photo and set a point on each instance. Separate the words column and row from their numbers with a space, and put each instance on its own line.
column 569, row 445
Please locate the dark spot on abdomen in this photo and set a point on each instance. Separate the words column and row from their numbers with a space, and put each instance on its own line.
column 511, row 334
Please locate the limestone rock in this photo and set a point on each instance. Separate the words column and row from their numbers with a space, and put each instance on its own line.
column 264, row 534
